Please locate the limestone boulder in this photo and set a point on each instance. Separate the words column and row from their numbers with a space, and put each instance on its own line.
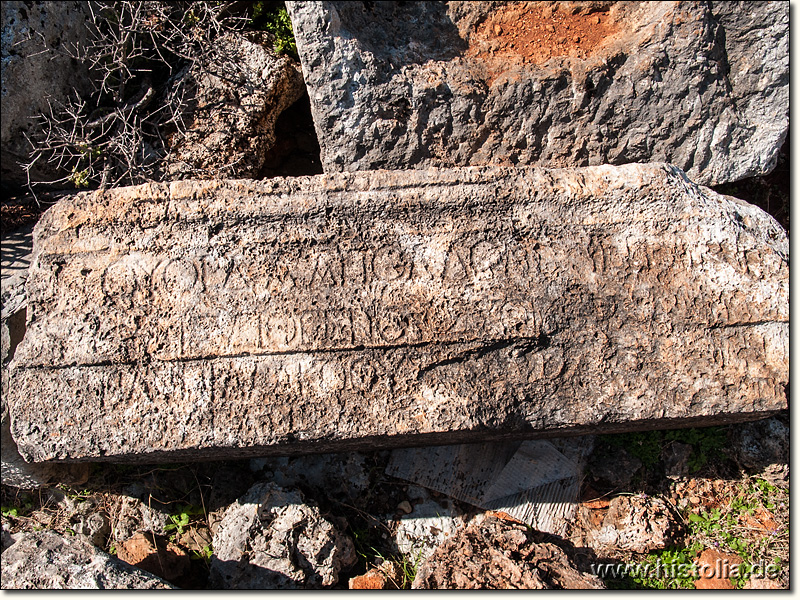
column 271, row 538
column 382, row 309
column 395, row 85
column 236, row 96
column 37, row 69
column 46, row 560
column 632, row 523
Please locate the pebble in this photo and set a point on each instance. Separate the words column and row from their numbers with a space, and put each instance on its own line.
column 694, row 500
column 405, row 507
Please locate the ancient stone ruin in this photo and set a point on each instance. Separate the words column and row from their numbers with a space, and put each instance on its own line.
column 511, row 249
column 395, row 308
column 395, row 85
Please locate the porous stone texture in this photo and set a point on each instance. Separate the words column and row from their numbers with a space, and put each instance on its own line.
column 236, row 97
column 426, row 527
column 37, row 38
column 14, row 470
column 395, row 85
column 633, row 523
column 494, row 554
column 272, row 539
column 352, row 311
column 46, row 560
column 762, row 448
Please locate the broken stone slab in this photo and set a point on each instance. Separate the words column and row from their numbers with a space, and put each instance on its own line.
column 531, row 481
column 397, row 85
column 491, row 553
column 46, row 560
column 352, row 311
column 270, row 538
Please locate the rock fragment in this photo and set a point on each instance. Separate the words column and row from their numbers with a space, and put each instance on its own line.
column 703, row 86
column 495, row 554
column 46, row 560
column 272, row 539
column 352, row 311
column 632, row 523
column 156, row 555
column 237, row 96
column 426, row 527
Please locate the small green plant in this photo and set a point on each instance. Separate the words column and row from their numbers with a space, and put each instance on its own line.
column 409, row 568
column 21, row 510
column 670, row 569
column 277, row 22
column 79, row 178
column 181, row 520
column 205, row 554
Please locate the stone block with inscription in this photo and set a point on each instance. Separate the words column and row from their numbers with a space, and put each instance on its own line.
column 378, row 309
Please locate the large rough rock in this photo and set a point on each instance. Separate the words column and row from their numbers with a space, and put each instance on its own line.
column 272, row 539
column 36, row 70
column 418, row 84
column 762, row 448
column 495, row 554
column 236, row 98
column 47, row 560
column 631, row 524
column 373, row 309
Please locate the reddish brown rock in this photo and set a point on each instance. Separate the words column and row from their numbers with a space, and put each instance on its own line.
column 385, row 577
column 155, row 555
column 495, row 554
column 714, row 568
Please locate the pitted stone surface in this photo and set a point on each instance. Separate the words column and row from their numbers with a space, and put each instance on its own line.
column 396, row 85
column 45, row 560
column 346, row 311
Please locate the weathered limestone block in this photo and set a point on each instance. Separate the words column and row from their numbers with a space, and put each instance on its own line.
column 270, row 538
column 237, row 95
column 348, row 311
column 395, row 85
column 37, row 38
column 45, row 560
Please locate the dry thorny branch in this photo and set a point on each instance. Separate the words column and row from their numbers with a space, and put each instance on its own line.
column 139, row 55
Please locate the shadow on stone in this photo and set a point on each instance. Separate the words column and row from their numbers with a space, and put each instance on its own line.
column 403, row 33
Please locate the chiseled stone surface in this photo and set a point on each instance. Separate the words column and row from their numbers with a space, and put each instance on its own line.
column 345, row 311
column 393, row 85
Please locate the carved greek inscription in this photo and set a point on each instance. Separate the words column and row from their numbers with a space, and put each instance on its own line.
column 178, row 279
column 126, row 282
column 391, row 263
